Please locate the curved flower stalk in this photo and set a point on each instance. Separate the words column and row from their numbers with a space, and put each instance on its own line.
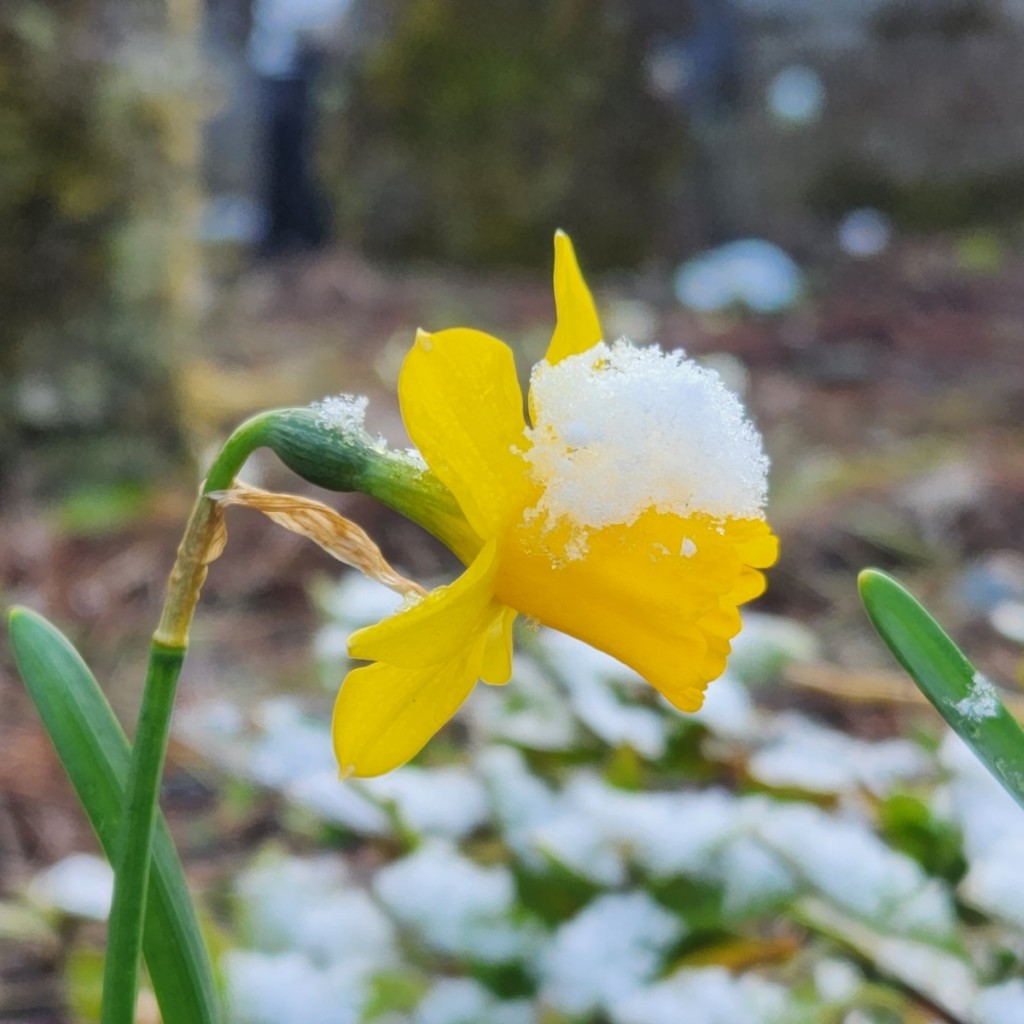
column 627, row 512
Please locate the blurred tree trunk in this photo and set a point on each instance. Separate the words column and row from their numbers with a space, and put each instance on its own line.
column 98, row 254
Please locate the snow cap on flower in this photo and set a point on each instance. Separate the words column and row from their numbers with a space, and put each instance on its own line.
column 620, row 430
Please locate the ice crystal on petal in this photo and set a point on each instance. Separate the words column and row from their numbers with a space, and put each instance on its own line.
column 621, row 429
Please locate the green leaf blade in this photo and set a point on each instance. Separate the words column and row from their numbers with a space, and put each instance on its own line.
column 945, row 676
column 95, row 754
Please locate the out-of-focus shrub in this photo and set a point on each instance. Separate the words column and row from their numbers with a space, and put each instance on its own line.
column 469, row 129
column 96, row 165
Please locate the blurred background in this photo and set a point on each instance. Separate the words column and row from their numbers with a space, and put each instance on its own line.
column 207, row 209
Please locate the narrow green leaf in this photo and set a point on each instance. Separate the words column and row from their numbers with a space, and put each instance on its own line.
column 95, row 753
column 964, row 698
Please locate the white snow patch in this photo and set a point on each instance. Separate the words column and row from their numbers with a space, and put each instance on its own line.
column 80, row 885
column 589, row 676
column 265, row 988
column 993, row 882
column 766, row 644
column 520, row 801
column 853, row 869
column 330, row 799
column 532, row 713
column 620, row 430
column 819, row 760
column 356, row 601
column 837, row 981
column 346, row 415
column 446, row 802
column 454, row 905
column 728, row 711
column 290, row 745
column 710, row 996
column 981, row 701
column 307, row 905
column 607, row 952
column 464, row 1001
column 1000, row 1004
column 993, row 835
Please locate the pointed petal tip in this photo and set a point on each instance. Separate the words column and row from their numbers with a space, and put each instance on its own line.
column 563, row 245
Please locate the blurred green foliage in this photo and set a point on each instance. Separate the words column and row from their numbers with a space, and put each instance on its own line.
column 471, row 130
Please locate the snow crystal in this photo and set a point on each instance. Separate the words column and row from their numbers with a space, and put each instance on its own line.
column 993, row 835
column 620, row 430
column 852, row 868
column 520, row 801
column 328, row 798
column 711, row 996
column 1000, row 1004
column 306, row 905
column 752, row 878
column 448, row 802
column 454, row 905
column 79, row 885
column 837, row 981
column 291, row 745
column 589, row 674
column 946, row 979
column 981, row 701
column 287, row 989
column 607, row 952
column 358, row 601
column 667, row 834
column 766, row 644
column 728, row 711
column 346, row 415
column 578, row 843
column 465, row 1001
column 533, row 714
column 820, row 760
column 992, row 884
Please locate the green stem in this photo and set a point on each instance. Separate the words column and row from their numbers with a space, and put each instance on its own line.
column 167, row 653
column 131, row 881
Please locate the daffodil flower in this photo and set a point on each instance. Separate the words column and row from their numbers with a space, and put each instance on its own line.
column 628, row 513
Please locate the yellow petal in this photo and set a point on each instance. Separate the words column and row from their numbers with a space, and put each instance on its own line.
column 384, row 715
column 437, row 628
column 463, row 408
column 660, row 594
column 578, row 328
column 497, row 664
